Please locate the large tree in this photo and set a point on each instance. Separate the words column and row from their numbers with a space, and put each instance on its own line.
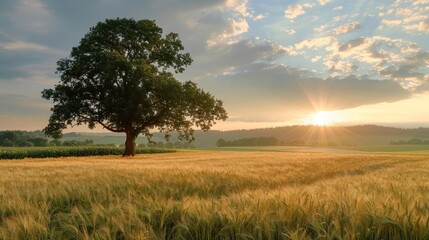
column 120, row 78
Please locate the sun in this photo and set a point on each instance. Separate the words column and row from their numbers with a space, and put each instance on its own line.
column 322, row 118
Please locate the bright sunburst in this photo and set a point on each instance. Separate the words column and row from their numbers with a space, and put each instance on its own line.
column 322, row 118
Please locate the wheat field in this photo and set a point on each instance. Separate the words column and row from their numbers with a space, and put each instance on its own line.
column 217, row 195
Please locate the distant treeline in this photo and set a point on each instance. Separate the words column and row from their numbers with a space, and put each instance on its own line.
column 268, row 141
column 413, row 141
column 305, row 135
column 161, row 144
column 288, row 135
column 38, row 139
column 23, row 138
column 35, row 139
column 257, row 141
column 71, row 143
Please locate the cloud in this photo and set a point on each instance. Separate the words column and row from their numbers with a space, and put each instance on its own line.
column 290, row 31
column 346, row 28
column 32, row 15
column 197, row 22
column 324, row 2
column 320, row 28
column 404, row 12
column 22, row 64
column 420, row 2
column 19, row 58
column 247, row 72
column 391, row 22
column 316, row 58
column 294, row 11
column 28, row 46
column 240, row 6
column 409, row 17
column 308, row 5
column 410, row 71
column 230, row 58
column 277, row 93
column 241, row 9
column 336, row 26
column 237, row 27
column 372, row 50
column 341, row 17
column 315, row 42
column 422, row 26
column 394, row 59
column 260, row 17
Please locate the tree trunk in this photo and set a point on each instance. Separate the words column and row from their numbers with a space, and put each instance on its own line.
column 130, row 145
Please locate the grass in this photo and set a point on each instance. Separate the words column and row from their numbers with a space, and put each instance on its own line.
column 217, row 195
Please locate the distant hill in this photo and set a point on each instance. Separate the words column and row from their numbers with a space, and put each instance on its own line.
column 298, row 135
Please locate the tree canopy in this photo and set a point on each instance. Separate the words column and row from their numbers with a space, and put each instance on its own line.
column 120, row 77
column 22, row 139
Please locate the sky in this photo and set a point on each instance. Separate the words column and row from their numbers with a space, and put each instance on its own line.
column 272, row 62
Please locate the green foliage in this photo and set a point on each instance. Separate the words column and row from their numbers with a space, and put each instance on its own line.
column 39, row 142
column 318, row 135
column 118, row 77
column 56, row 152
column 169, row 145
column 24, row 143
column 75, row 143
column 55, row 142
column 412, row 141
column 176, row 145
column 257, row 141
column 22, row 139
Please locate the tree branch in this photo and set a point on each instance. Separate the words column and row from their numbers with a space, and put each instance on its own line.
column 109, row 128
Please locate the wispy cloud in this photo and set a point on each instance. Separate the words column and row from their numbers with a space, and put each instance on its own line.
column 242, row 10
column 28, row 46
column 290, row 31
column 237, row 27
column 260, row 16
column 32, row 15
column 420, row 2
column 316, row 58
column 294, row 11
column 315, row 42
column 422, row 26
column 410, row 17
column 389, row 58
column 320, row 28
column 263, row 52
column 346, row 28
column 287, row 89
column 324, row 2
column 240, row 6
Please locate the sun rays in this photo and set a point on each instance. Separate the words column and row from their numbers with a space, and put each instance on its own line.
column 322, row 118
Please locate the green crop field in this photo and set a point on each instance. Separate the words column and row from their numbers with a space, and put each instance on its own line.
column 217, row 195
column 50, row 152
